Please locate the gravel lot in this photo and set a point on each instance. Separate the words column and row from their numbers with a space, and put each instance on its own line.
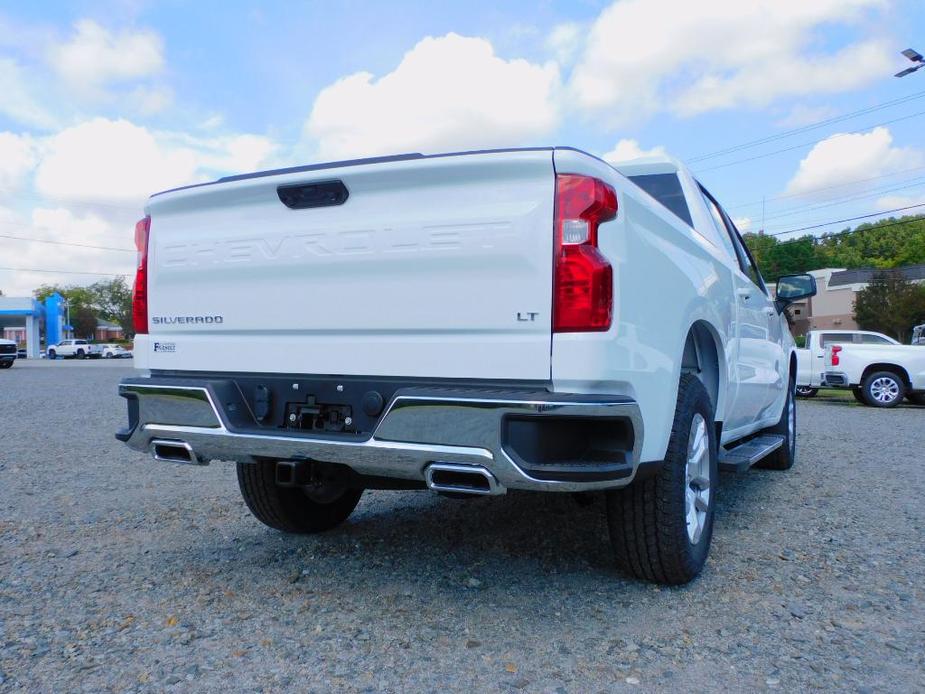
column 118, row 573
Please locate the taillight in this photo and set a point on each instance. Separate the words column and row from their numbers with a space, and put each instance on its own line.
column 835, row 358
column 583, row 289
column 140, row 291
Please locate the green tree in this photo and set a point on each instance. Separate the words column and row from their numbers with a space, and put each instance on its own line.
column 84, row 322
column 890, row 304
column 113, row 301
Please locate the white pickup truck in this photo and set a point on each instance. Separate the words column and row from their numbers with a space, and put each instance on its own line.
column 811, row 359
column 76, row 349
column 529, row 319
column 878, row 375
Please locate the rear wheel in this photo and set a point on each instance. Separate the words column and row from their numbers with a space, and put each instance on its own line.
column 883, row 389
column 52, row 354
column 81, row 354
column 806, row 392
column 294, row 509
column 5, row 364
column 661, row 527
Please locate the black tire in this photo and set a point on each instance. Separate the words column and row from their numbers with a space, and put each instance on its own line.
column 108, row 355
column 81, row 354
column 52, row 354
column 648, row 520
column 290, row 509
column 890, row 395
column 858, row 395
column 784, row 457
column 5, row 364
column 806, row 392
column 916, row 398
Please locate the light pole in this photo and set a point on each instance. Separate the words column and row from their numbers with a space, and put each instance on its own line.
column 916, row 58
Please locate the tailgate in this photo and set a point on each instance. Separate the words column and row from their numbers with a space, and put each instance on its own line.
column 432, row 267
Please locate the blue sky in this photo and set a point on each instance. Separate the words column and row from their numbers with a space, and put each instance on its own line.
column 102, row 103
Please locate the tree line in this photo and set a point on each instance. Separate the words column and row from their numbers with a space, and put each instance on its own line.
column 884, row 244
column 890, row 304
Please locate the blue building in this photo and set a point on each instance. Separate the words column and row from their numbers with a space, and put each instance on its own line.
column 21, row 319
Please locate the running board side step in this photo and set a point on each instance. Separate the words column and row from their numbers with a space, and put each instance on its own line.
column 743, row 456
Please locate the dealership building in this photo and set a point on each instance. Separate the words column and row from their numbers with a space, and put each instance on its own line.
column 23, row 318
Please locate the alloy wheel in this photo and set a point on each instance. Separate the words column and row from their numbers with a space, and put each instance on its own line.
column 697, row 491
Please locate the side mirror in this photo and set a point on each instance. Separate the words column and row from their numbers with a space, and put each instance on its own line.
column 792, row 288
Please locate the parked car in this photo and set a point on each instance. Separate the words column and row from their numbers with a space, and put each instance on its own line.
column 21, row 353
column 811, row 359
column 76, row 349
column 879, row 376
column 516, row 319
column 115, row 351
column 8, row 353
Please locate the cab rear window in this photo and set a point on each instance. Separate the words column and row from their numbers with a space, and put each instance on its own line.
column 666, row 188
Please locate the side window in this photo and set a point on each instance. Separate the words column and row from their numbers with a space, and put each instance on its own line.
column 666, row 188
column 746, row 262
column 874, row 340
column 836, row 338
column 720, row 225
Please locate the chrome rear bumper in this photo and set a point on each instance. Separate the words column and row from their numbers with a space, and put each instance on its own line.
column 418, row 428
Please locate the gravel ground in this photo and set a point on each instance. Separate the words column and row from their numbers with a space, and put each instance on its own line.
column 118, row 573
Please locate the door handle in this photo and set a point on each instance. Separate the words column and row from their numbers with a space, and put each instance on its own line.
column 770, row 311
column 744, row 293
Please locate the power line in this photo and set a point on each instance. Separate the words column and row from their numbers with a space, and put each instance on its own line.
column 806, row 144
column 67, row 243
column 847, row 219
column 807, row 128
column 844, row 200
column 819, row 189
column 65, row 272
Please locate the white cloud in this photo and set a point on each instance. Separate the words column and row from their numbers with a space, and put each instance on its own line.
column 18, row 100
column 564, row 41
column 63, row 225
column 743, row 224
column 17, row 159
column 447, row 93
column 628, row 149
column 892, row 202
column 110, row 160
column 95, row 56
column 645, row 56
column 104, row 160
column 846, row 157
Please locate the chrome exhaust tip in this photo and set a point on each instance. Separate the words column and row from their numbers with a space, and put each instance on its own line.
column 462, row 479
column 169, row 451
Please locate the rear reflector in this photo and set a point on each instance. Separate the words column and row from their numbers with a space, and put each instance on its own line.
column 583, row 289
column 140, row 290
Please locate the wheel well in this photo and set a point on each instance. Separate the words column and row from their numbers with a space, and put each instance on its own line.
column 894, row 368
column 702, row 358
column 793, row 368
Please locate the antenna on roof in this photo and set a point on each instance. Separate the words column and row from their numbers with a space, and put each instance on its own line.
column 916, row 58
